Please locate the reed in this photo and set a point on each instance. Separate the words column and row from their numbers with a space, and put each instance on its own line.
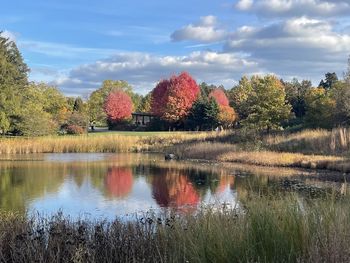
column 103, row 143
column 232, row 153
column 334, row 142
column 262, row 229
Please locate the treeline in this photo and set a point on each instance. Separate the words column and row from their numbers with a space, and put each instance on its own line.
column 258, row 102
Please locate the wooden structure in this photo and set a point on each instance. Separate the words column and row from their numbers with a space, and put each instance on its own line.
column 141, row 118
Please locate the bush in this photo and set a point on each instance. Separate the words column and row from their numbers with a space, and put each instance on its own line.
column 75, row 129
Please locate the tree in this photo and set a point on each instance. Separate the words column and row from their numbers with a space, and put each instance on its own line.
column 204, row 114
column 172, row 99
column 13, row 79
column 98, row 97
column 263, row 102
column 330, row 80
column 118, row 106
column 34, row 121
column 145, row 104
column 340, row 93
column 220, row 97
column 239, row 97
column 320, row 108
column 295, row 95
column 226, row 115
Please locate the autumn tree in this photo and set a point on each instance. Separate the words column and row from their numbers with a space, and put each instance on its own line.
column 226, row 115
column 262, row 102
column 172, row 99
column 97, row 99
column 118, row 106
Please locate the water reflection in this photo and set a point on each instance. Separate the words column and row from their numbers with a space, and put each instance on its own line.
column 119, row 181
column 111, row 185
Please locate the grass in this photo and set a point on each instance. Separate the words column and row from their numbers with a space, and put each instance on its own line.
column 231, row 153
column 105, row 142
column 262, row 229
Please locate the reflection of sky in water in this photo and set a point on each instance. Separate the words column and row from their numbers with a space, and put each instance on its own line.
column 75, row 157
column 109, row 185
column 87, row 201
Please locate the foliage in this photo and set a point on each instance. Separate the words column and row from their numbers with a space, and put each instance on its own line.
column 320, row 108
column 145, row 104
column 13, row 79
column 74, row 129
column 220, row 97
column 262, row 101
column 98, row 97
column 295, row 95
column 239, row 97
column 34, row 121
column 204, row 114
column 330, row 80
column 118, row 106
column 340, row 93
column 226, row 116
column 78, row 105
column 172, row 99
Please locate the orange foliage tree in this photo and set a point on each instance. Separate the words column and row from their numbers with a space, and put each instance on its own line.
column 172, row 99
column 227, row 114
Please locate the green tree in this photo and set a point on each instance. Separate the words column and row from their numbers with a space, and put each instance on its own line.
column 330, row 80
column 204, row 114
column 295, row 95
column 262, row 101
column 320, row 108
column 13, row 79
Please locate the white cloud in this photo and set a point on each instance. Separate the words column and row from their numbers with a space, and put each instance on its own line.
column 10, row 35
column 144, row 70
column 320, row 8
column 296, row 46
column 205, row 30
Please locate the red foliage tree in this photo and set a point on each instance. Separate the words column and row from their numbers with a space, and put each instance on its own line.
column 172, row 99
column 174, row 190
column 220, row 97
column 119, row 181
column 118, row 106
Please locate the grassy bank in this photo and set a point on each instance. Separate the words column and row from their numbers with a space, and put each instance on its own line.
column 101, row 142
column 284, row 229
column 223, row 152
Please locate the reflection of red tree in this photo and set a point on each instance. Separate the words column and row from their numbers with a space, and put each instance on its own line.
column 225, row 181
column 174, row 190
column 119, row 181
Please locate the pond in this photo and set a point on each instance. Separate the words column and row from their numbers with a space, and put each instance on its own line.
column 108, row 185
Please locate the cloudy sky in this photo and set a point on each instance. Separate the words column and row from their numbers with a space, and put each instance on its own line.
column 76, row 44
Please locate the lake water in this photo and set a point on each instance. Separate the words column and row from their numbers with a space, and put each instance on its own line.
column 109, row 185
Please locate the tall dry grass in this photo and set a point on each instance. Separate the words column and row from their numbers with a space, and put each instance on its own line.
column 232, row 153
column 334, row 142
column 264, row 229
column 101, row 143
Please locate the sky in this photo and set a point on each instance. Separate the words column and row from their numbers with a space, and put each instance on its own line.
column 76, row 44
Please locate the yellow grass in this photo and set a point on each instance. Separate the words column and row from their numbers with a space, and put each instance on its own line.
column 317, row 141
column 230, row 153
column 102, row 143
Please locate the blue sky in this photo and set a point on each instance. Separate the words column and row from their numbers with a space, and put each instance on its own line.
column 77, row 44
